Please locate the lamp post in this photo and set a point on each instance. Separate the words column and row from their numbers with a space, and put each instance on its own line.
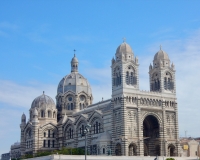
column 85, row 132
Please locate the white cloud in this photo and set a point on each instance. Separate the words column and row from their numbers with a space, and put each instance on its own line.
column 18, row 95
column 7, row 25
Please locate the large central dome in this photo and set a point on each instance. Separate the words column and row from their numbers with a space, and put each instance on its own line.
column 74, row 82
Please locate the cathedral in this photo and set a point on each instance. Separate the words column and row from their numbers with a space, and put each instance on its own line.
column 131, row 123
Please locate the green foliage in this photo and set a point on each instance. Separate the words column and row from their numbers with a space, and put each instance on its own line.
column 63, row 151
column 26, row 156
column 170, row 159
column 71, row 151
column 43, row 153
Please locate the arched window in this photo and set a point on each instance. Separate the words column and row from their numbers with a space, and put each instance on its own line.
column 83, row 129
column 83, row 106
column 49, row 114
column 127, row 77
column 103, row 150
column 44, row 134
column 44, row 143
column 158, row 83
column 97, row 127
column 48, row 143
column 165, row 83
column 68, row 106
column 130, row 76
column 80, row 106
column 42, row 113
column 48, row 133
column 54, row 115
column 72, row 107
column 116, row 77
column 29, row 134
column 169, row 83
column 69, row 133
column 53, row 143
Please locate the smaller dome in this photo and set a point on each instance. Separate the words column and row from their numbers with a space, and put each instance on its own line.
column 17, row 143
column 161, row 55
column 43, row 100
column 23, row 116
column 124, row 48
column 74, row 59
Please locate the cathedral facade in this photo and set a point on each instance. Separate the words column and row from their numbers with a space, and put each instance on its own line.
column 131, row 123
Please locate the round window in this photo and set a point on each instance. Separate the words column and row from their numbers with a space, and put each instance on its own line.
column 70, row 98
column 82, row 98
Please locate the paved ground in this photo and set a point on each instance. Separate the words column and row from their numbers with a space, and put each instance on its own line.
column 76, row 157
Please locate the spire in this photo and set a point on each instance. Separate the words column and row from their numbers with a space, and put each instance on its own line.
column 160, row 47
column 150, row 67
column 74, row 63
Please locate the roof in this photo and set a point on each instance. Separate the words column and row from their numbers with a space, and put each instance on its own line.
column 43, row 100
column 161, row 55
column 74, row 82
column 124, row 48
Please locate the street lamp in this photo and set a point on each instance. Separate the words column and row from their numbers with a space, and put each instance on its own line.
column 85, row 132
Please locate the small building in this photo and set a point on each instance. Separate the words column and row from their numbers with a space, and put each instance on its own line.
column 190, row 147
column 15, row 152
column 5, row 156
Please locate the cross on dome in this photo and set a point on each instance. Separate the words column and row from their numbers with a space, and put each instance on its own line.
column 124, row 39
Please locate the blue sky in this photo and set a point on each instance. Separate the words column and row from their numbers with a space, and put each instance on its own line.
column 37, row 39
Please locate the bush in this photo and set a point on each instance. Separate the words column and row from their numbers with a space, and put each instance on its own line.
column 64, row 151
column 170, row 159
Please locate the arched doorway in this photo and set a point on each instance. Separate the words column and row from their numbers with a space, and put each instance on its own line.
column 132, row 149
column 145, row 150
column 151, row 136
column 171, row 150
column 118, row 150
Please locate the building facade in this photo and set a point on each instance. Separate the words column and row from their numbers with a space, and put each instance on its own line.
column 190, row 147
column 131, row 123
column 5, row 156
column 15, row 150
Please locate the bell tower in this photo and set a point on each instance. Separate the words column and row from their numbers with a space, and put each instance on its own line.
column 162, row 74
column 124, row 70
column 124, row 82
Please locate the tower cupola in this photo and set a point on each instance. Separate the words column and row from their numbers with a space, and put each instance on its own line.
column 74, row 64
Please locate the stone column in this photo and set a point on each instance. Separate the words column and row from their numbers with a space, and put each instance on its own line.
column 140, row 131
column 177, row 131
column 113, row 129
column 164, row 136
column 123, row 129
column 60, row 137
column 35, row 136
